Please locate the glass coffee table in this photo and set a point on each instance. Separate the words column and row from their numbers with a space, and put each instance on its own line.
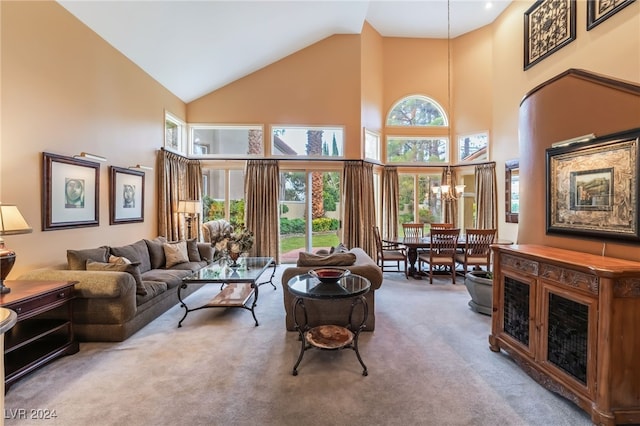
column 329, row 337
column 238, row 285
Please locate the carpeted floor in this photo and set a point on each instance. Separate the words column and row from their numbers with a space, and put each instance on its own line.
column 428, row 359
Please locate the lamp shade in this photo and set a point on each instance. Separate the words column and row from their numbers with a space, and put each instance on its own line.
column 12, row 222
column 189, row 206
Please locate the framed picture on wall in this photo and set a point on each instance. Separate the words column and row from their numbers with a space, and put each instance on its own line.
column 549, row 25
column 70, row 192
column 593, row 189
column 126, row 195
column 600, row 10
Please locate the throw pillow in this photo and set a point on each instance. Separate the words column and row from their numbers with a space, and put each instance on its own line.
column 131, row 268
column 192, row 251
column 156, row 252
column 136, row 252
column 176, row 253
column 119, row 260
column 341, row 248
column 336, row 259
column 77, row 259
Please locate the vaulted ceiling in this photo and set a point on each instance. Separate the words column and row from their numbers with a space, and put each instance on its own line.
column 195, row 47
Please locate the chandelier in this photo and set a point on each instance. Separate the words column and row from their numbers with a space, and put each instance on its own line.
column 447, row 191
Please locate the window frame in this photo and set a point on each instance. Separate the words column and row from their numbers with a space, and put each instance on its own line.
column 447, row 154
column 181, row 132
column 214, row 126
column 306, row 127
column 437, row 105
column 378, row 145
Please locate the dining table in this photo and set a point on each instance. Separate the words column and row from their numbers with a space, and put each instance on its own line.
column 413, row 244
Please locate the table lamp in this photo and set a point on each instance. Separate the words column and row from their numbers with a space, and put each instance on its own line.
column 11, row 223
column 189, row 208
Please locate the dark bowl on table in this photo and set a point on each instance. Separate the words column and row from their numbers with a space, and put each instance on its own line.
column 329, row 275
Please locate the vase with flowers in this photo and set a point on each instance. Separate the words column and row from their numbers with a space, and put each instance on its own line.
column 233, row 244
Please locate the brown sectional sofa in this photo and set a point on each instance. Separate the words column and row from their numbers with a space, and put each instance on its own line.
column 111, row 305
column 321, row 312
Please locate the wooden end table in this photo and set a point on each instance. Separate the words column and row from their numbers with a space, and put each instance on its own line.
column 44, row 328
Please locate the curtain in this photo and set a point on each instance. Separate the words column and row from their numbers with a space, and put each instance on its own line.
column 178, row 179
column 261, row 188
column 486, row 196
column 359, row 206
column 450, row 205
column 390, row 201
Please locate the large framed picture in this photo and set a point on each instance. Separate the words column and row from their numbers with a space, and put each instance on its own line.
column 126, row 195
column 593, row 189
column 70, row 192
column 548, row 26
column 600, row 10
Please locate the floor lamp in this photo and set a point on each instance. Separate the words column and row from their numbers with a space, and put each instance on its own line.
column 11, row 223
column 190, row 209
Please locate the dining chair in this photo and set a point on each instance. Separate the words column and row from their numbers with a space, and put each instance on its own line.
column 441, row 225
column 413, row 230
column 386, row 252
column 477, row 250
column 442, row 252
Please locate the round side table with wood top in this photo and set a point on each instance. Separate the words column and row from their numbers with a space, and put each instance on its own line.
column 329, row 337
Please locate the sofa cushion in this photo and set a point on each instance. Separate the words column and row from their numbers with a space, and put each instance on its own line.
column 172, row 277
column 192, row 251
column 131, row 268
column 175, row 253
column 153, row 288
column 156, row 252
column 336, row 259
column 136, row 252
column 77, row 259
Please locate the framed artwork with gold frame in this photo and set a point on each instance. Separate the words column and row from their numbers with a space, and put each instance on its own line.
column 549, row 25
column 593, row 189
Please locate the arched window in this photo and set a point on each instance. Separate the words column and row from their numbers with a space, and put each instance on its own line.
column 419, row 111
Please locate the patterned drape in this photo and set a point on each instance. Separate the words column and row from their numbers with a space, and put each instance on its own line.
column 486, row 196
column 261, row 188
column 450, row 206
column 390, row 201
column 359, row 206
column 178, row 179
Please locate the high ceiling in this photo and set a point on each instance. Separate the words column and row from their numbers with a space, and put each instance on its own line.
column 195, row 47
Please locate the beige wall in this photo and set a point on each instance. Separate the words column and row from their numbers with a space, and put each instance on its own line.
column 64, row 90
column 612, row 48
column 319, row 85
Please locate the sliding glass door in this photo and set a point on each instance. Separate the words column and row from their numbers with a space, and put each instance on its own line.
column 309, row 212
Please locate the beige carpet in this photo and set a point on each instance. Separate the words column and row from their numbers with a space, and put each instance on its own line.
column 428, row 359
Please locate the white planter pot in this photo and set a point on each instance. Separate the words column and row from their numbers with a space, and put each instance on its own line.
column 480, row 289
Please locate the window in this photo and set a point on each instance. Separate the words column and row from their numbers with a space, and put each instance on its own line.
column 174, row 130
column 423, row 150
column 223, row 195
column 418, row 203
column 371, row 145
column 417, row 110
column 473, row 147
column 225, row 141
column 307, row 141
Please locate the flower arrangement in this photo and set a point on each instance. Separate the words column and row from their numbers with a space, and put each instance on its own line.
column 234, row 243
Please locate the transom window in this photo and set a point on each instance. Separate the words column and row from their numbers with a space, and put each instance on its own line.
column 225, row 140
column 300, row 141
column 174, row 131
column 425, row 150
column 417, row 110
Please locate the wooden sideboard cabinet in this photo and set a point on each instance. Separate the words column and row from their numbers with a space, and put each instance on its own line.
column 571, row 320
